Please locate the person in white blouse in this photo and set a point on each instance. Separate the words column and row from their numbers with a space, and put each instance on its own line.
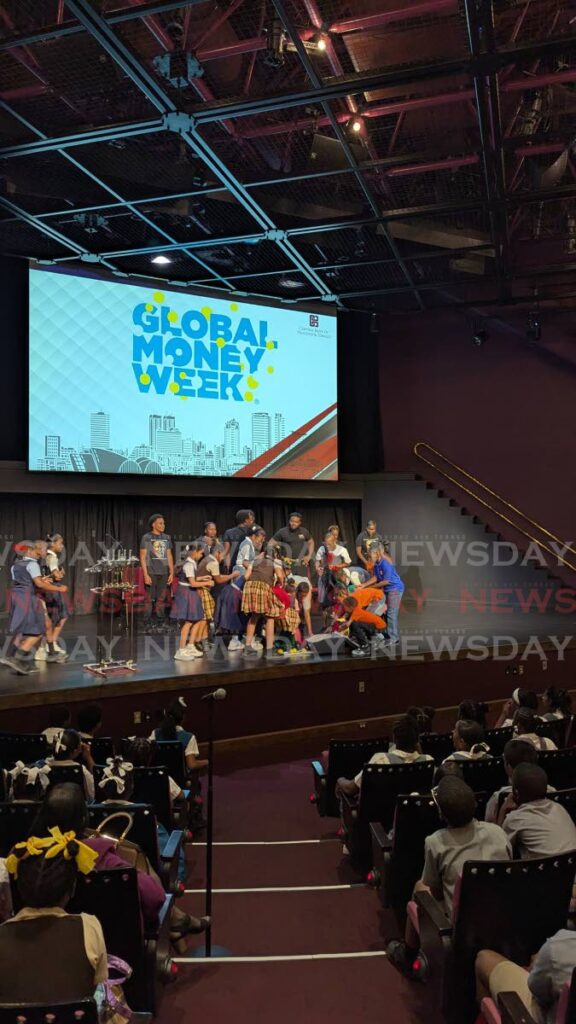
column 330, row 555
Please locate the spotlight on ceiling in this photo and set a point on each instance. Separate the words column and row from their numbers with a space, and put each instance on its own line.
column 162, row 260
column 355, row 124
column 319, row 41
column 534, row 326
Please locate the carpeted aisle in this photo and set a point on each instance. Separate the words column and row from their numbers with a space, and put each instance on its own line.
column 309, row 933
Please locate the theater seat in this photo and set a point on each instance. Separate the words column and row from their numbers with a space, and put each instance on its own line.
column 15, row 823
column 143, row 833
column 381, row 786
column 112, row 896
column 511, row 907
column 345, row 759
column 83, row 1011
column 560, row 767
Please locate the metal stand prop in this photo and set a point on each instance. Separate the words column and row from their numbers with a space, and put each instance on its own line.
column 116, row 571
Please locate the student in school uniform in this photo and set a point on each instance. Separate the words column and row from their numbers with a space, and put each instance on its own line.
column 535, row 825
column 445, row 852
column 557, row 704
column 48, row 956
column 171, row 727
column 59, row 718
column 68, row 749
column 258, row 598
column 188, row 608
column 406, row 750
column 28, row 612
column 56, row 614
column 468, row 740
column 525, row 722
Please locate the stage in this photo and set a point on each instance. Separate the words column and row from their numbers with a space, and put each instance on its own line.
column 438, row 661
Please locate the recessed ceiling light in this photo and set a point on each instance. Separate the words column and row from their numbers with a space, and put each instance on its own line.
column 161, row 259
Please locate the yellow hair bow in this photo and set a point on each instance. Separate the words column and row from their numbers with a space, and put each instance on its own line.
column 51, row 846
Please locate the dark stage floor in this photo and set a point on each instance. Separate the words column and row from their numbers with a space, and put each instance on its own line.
column 442, row 629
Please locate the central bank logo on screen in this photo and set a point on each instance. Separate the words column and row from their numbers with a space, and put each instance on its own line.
column 132, row 379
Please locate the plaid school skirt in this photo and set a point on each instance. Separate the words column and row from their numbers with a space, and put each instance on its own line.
column 258, row 598
column 208, row 603
column 290, row 620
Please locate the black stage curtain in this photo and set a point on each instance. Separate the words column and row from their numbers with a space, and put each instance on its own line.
column 89, row 524
column 359, row 417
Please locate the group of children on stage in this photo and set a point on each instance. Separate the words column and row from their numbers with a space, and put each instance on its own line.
column 236, row 588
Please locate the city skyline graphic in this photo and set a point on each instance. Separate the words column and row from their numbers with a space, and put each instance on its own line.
column 166, row 450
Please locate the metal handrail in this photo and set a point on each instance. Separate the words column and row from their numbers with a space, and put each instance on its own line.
column 507, row 504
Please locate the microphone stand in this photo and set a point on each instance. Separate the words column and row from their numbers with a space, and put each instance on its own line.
column 208, row 950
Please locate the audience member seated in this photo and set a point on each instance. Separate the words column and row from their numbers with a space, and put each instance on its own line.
column 89, row 721
column 520, row 699
column 65, row 808
column 68, row 750
column 557, row 704
column 117, row 786
column 445, row 853
column 406, row 750
column 473, row 711
column 171, row 728
column 515, row 752
column 60, row 718
column 468, row 740
column 538, row 987
column 46, row 955
column 140, row 752
column 424, row 717
column 536, row 826
column 28, row 783
column 525, row 722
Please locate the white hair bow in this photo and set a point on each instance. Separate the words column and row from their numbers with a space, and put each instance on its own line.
column 115, row 771
column 32, row 773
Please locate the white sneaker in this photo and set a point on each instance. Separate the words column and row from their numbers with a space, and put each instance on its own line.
column 235, row 644
column 193, row 652
column 187, row 654
column 41, row 654
column 181, row 654
column 59, row 649
column 257, row 645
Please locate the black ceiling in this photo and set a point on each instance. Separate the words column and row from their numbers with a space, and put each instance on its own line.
column 220, row 136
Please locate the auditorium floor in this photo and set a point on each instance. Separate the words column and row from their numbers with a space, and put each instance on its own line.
column 306, row 936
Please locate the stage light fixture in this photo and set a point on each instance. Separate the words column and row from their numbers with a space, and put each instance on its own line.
column 162, row 260
column 534, row 326
column 275, row 44
column 319, row 41
column 355, row 124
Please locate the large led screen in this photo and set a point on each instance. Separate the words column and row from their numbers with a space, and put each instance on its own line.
column 133, row 378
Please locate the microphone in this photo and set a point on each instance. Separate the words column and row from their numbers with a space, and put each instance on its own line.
column 219, row 694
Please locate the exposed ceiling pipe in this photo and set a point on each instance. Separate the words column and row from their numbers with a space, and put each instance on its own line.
column 370, row 21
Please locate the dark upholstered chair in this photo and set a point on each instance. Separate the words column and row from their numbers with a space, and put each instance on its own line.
column 345, row 759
